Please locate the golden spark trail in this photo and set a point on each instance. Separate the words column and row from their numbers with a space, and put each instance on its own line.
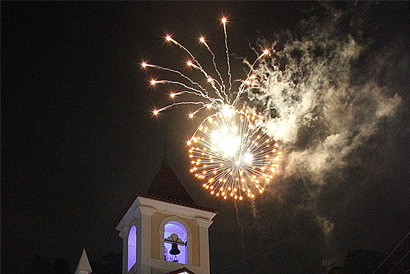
column 232, row 154
column 224, row 20
column 229, row 151
column 202, row 39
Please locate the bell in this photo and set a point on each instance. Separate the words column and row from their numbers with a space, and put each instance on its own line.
column 174, row 240
column 174, row 249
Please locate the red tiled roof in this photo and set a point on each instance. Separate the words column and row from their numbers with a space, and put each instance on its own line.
column 166, row 187
column 182, row 270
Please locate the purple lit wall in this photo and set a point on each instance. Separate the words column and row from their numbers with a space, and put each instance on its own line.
column 132, row 247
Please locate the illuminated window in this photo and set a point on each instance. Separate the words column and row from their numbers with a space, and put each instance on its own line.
column 170, row 228
column 132, row 247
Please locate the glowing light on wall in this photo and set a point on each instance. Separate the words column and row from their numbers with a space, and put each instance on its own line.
column 132, row 247
column 180, row 230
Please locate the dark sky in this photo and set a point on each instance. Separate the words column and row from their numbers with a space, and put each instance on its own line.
column 78, row 137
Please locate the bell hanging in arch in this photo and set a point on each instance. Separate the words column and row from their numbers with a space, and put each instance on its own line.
column 174, row 249
column 174, row 240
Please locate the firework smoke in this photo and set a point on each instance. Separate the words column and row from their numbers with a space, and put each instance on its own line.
column 314, row 102
column 326, row 91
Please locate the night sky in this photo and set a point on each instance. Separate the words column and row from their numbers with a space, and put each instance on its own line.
column 79, row 137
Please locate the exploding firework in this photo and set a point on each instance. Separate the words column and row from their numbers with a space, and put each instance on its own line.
column 216, row 95
column 229, row 150
column 232, row 154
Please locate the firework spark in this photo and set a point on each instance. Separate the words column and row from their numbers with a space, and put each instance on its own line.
column 215, row 95
column 232, row 154
column 229, row 150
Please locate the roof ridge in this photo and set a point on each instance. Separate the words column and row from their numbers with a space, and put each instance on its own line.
column 167, row 184
column 159, row 193
column 162, row 199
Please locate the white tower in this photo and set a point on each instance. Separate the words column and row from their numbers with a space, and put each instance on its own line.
column 83, row 266
column 163, row 230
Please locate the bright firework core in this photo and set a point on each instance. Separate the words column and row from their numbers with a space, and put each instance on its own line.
column 230, row 150
column 233, row 155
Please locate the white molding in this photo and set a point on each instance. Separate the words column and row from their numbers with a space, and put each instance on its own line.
column 174, row 209
column 144, row 210
column 203, row 222
column 165, row 207
column 139, row 214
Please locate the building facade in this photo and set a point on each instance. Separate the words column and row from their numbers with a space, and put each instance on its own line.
column 164, row 231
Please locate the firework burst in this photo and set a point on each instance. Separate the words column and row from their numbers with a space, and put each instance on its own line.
column 230, row 150
column 232, row 155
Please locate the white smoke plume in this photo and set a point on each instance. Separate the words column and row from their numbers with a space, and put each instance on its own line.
column 325, row 224
column 332, row 91
column 315, row 104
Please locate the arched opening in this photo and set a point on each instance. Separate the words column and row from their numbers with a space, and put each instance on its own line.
column 132, row 247
column 177, row 228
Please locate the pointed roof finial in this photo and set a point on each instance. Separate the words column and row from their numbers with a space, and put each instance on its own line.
column 83, row 266
column 166, row 145
column 167, row 185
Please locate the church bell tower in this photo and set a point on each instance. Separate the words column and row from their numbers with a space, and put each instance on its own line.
column 164, row 231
